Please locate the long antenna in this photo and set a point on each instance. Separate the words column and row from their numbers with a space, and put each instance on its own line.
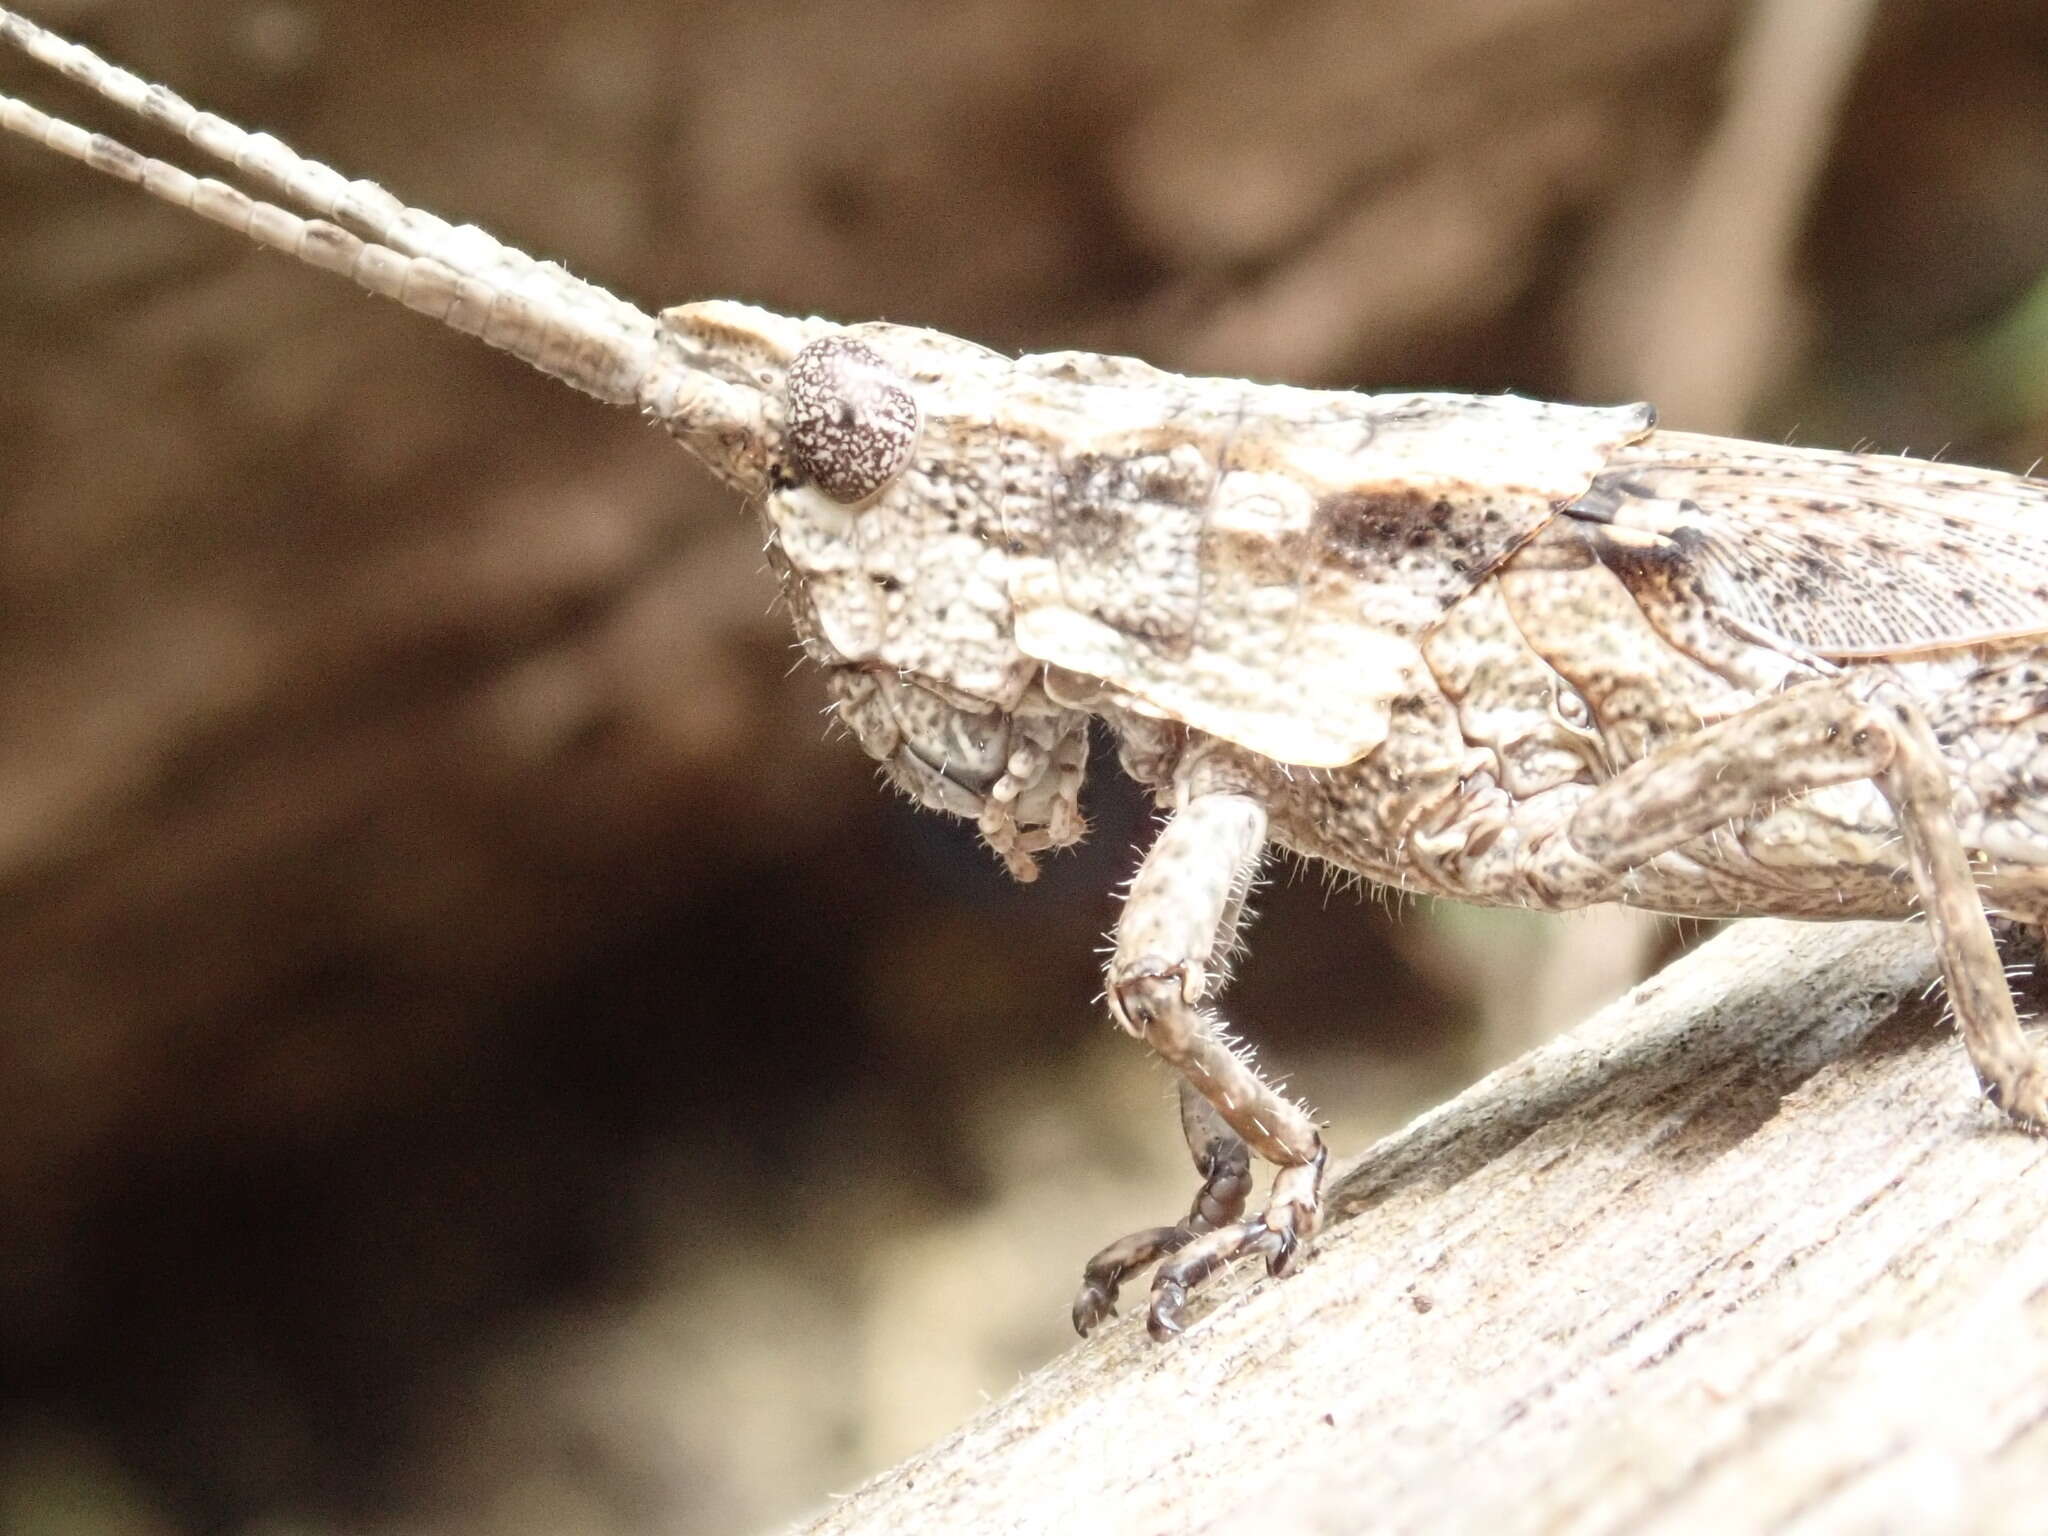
column 459, row 275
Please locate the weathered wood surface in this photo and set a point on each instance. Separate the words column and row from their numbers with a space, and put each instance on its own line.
column 1743, row 1252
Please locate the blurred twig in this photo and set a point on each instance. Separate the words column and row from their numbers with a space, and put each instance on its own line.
column 1718, row 324
column 1721, row 320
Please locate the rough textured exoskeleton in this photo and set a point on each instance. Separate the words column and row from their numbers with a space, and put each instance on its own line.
column 1489, row 648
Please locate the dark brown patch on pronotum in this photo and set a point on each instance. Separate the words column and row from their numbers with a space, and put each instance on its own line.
column 1437, row 543
column 852, row 424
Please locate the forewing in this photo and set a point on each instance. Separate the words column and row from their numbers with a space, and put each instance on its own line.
column 1841, row 554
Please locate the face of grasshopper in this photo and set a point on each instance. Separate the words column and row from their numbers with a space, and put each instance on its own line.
column 877, row 461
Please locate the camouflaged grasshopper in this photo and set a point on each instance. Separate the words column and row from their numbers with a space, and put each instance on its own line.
column 1489, row 648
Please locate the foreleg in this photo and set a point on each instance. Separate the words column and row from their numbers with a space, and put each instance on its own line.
column 1177, row 928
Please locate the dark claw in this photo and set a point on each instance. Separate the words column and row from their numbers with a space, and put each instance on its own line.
column 1106, row 1271
column 1094, row 1306
column 1281, row 1250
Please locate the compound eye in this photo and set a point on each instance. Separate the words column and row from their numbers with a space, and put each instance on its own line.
column 852, row 424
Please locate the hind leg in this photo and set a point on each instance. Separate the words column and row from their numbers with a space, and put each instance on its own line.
column 1826, row 732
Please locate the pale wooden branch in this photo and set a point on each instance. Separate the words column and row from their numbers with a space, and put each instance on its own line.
column 1743, row 1252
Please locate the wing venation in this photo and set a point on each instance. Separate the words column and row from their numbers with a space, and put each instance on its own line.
column 1843, row 554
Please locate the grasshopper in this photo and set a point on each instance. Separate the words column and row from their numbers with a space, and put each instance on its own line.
column 1487, row 648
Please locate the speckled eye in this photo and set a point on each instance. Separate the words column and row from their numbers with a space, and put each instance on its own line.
column 852, row 424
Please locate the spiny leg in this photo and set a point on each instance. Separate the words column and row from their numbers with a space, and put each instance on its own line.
column 1178, row 924
column 2014, row 1074
column 1819, row 734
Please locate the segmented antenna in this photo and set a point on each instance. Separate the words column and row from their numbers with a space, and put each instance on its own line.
column 459, row 275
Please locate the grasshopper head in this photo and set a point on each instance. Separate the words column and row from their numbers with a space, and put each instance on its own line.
column 880, row 481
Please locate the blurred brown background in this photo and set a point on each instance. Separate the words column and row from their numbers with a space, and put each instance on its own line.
column 474, row 1057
